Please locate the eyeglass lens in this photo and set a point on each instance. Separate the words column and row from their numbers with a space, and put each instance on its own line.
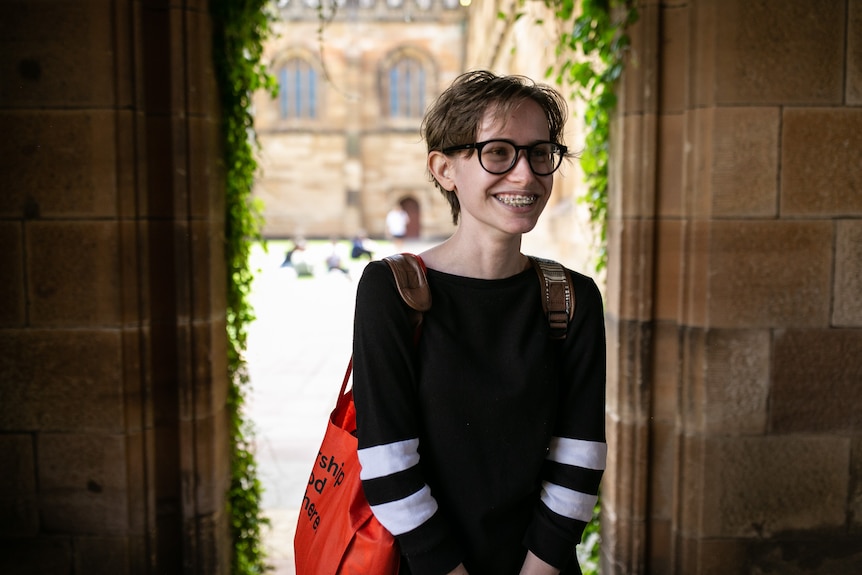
column 499, row 156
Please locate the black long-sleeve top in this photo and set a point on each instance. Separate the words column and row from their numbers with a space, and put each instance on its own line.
column 484, row 438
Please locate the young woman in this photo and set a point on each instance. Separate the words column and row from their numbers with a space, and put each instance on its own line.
column 482, row 444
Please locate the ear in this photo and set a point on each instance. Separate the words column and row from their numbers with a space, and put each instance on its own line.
column 441, row 167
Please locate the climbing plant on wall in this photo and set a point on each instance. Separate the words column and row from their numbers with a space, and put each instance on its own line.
column 240, row 29
column 590, row 54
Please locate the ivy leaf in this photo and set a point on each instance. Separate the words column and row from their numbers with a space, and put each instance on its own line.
column 596, row 44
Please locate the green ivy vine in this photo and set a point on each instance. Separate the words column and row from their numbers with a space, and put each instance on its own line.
column 240, row 29
column 590, row 59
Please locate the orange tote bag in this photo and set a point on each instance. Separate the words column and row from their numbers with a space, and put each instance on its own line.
column 336, row 533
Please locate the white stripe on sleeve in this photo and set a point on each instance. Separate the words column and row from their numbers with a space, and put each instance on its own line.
column 383, row 460
column 406, row 514
column 578, row 452
column 567, row 502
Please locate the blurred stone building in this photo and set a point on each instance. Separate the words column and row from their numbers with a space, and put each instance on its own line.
column 734, row 313
column 340, row 143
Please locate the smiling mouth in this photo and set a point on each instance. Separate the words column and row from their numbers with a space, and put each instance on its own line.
column 516, row 200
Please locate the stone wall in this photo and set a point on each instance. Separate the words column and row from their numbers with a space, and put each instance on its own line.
column 734, row 309
column 113, row 434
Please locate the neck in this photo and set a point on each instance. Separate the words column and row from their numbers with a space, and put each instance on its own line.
column 463, row 256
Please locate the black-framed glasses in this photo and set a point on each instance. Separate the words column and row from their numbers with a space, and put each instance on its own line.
column 499, row 156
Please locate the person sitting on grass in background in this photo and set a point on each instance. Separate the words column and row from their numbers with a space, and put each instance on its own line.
column 361, row 246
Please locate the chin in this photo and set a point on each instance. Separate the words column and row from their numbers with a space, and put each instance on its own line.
column 523, row 227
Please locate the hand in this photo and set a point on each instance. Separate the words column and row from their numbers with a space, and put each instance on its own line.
column 535, row 566
column 459, row 570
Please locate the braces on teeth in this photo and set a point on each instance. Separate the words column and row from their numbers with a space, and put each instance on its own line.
column 517, row 201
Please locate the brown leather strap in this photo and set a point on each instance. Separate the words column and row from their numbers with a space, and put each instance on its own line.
column 409, row 272
column 558, row 295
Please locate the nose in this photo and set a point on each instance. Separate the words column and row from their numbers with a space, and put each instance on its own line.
column 521, row 166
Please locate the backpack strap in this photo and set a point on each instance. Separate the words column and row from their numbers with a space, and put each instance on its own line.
column 558, row 292
column 409, row 272
column 558, row 295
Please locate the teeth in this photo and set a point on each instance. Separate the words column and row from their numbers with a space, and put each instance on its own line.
column 517, row 201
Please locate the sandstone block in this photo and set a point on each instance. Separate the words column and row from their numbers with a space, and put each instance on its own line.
column 73, row 273
column 671, row 163
column 670, row 257
column 745, row 165
column 141, row 489
column 629, row 287
column 207, row 251
column 770, row 273
column 46, row 555
column 855, row 506
column 737, row 381
column 691, row 491
column 759, row 486
column 81, row 74
column 195, row 39
column 783, row 56
column 660, row 556
column 702, row 50
column 207, row 199
column 60, row 164
column 613, row 497
column 692, row 401
column 814, row 553
column 687, row 554
column 633, row 79
column 19, row 508
column 61, row 380
column 674, row 53
column 696, row 289
column 638, row 186
column 133, row 277
column 614, row 371
column 666, row 373
column 662, row 459
column 854, row 54
column 847, row 310
column 722, row 556
column 82, row 483
column 104, row 555
column 212, row 463
column 12, row 310
column 209, row 364
column 821, row 159
column 815, row 382
column 698, row 177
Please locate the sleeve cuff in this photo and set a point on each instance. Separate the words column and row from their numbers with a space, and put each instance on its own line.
column 551, row 543
column 429, row 550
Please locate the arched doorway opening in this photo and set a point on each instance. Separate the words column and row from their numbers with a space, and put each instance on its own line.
column 414, row 226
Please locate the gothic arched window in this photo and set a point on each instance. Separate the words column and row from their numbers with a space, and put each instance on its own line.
column 297, row 80
column 406, row 88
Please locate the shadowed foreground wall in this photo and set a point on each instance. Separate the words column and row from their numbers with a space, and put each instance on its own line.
column 735, row 292
column 113, row 435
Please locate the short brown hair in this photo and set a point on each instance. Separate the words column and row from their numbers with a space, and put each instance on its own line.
column 455, row 116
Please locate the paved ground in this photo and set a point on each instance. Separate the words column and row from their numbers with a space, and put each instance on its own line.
column 298, row 350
